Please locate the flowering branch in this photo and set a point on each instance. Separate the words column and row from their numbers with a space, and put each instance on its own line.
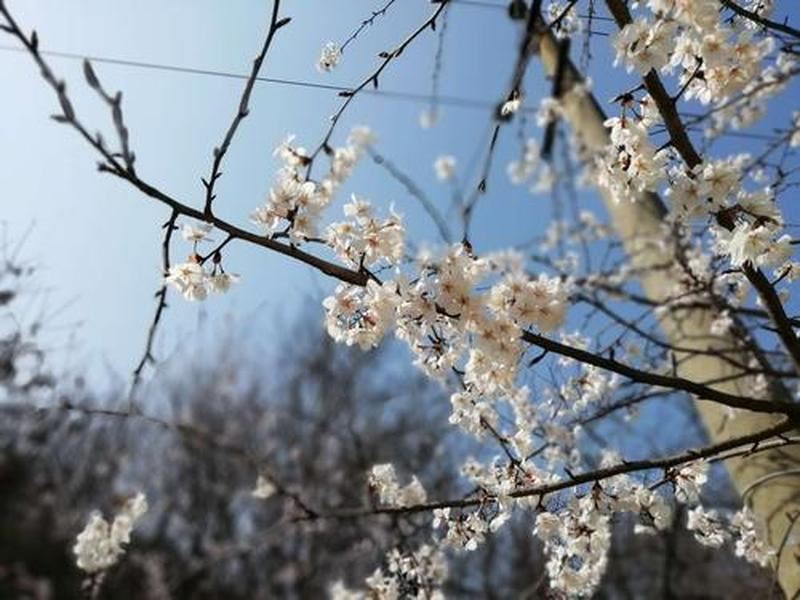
column 679, row 138
column 112, row 166
column 740, row 446
column 677, row 383
column 756, row 18
column 360, row 277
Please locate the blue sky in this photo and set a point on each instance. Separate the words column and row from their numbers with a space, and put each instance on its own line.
column 97, row 241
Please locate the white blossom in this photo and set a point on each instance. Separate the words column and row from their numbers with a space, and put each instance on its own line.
column 445, row 167
column 195, row 281
column 750, row 542
column 196, row 233
column 511, row 106
column 645, row 45
column 707, row 527
column 689, row 480
column 100, row 545
column 329, row 57
column 264, row 488
column 520, row 171
column 428, row 118
column 383, row 480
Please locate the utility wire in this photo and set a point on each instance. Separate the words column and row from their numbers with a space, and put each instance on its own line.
column 398, row 95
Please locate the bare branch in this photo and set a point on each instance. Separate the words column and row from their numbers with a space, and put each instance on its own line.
column 161, row 305
column 372, row 79
column 243, row 110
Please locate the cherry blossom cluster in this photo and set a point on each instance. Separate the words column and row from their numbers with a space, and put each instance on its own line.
column 718, row 63
column 576, row 535
column 751, row 231
column 450, row 326
column 712, row 528
column 417, row 575
column 193, row 278
column 632, row 164
column 383, row 480
column 576, row 544
column 520, row 171
column 329, row 57
column 690, row 36
column 570, row 22
column 590, row 385
column 750, row 104
column 448, row 323
column 101, row 544
column 295, row 204
column 363, row 240
column 756, row 237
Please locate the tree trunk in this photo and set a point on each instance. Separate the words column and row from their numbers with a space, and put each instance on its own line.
column 776, row 501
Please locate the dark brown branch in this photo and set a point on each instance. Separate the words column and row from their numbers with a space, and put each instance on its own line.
column 739, row 446
column 115, row 104
column 243, row 110
column 703, row 392
column 327, row 267
column 774, row 306
column 161, row 305
column 764, row 22
column 366, row 23
column 666, row 105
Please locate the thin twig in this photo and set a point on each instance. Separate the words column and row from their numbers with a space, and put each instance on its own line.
column 372, row 78
column 243, row 110
column 161, row 305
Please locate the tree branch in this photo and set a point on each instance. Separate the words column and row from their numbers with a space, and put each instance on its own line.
column 243, row 110
column 739, row 446
column 766, row 23
column 161, row 305
column 678, row 383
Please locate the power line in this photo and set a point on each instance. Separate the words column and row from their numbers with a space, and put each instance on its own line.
column 504, row 6
column 398, row 95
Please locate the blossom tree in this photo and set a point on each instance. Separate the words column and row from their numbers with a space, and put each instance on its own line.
column 695, row 289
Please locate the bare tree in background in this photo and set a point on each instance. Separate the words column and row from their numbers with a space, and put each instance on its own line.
column 676, row 300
